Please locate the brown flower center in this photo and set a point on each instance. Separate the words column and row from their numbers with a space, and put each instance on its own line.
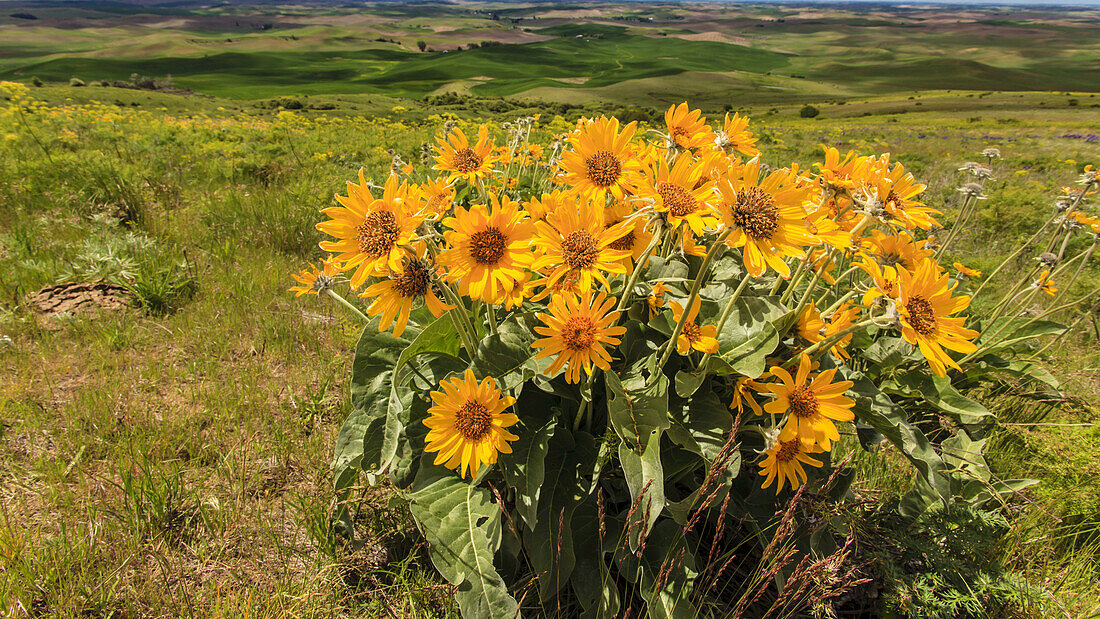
column 434, row 203
column 788, row 450
column 579, row 250
column 755, row 212
column 466, row 160
column 377, row 234
column 921, row 315
column 579, row 333
column 472, row 420
column 803, row 402
column 679, row 135
column 603, row 168
column 414, row 279
column 487, row 246
column 624, row 242
column 693, row 332
column 677, row 199
column 893, row 200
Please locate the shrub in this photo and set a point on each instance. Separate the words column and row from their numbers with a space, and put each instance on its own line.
column 37, row 83
column 76, row 82
column 808, row 111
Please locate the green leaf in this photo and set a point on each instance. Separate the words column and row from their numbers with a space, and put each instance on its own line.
column 887, row 353
column 702, row 425
column 504, row 354
column 591, row 579
column 876, row 410
column 748, row 337
column 939, row 392
column 646, row 480
column 667, row 572
column 359, row 443
column 524, row 469
column 462, row 526
column 635, row 408
column 550, row 543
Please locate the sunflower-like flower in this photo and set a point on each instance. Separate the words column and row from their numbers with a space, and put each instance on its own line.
column 467, row 425
column 577, row 328
column 785, row 460
column 655, row 300
column 897, row 189
column 439, row 195
column 687, row 128
column 393, row 297
column 743, row 390
column 372, row 233
column 489, row 251
column 966, row 271
column 636, row 239
column 896, row 250
column 810, row 325
column 838, row 174
column 735, row 137
column 766, row 217
column 314, row 280
column 693, row 336
column 539, row 207
column 602, row 160
column 455, row 155
column 886, row 280
column 681, row 192
column 925, row 309
column 821, row 224
column 844, row 317
column 574, row 240
column 811, row 402
column 1046, row 284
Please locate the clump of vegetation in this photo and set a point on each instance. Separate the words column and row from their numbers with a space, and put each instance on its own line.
column 75, row 82
column 808, row 111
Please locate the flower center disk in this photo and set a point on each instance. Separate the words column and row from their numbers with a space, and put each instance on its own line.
column 788, row 450
column 603, row 168
column 413, row 281
column 377, row 234
column 692, row 332
column 678, row 200
column 472, row 420
column 487, row 246
column 803, row 402
column 921, row 315
column 755, row 212
column 624, row 242
column 466, row 160
column 579, row 333
column 579, row 250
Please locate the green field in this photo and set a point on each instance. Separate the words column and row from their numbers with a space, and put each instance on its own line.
column 610, row 52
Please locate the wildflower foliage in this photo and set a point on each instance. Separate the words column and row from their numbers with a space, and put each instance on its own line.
column 603, row 340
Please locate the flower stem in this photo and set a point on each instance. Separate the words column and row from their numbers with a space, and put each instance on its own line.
column 628, row 290
column 829, row 341
column 342, row 301
column 695, row 286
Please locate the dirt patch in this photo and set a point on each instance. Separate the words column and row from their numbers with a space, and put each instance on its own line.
column 79, row 298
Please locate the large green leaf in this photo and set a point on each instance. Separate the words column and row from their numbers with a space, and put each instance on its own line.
column 360, row 442
column 504, row 354
column 646, row 480
column 592, row 581
column 748, row 337
column 702, row 425
column 667, row 572
column 524, row 469
column 462, row 526
column 876, row 410
column 939, row 392
column 635, row 408
column 550, row 542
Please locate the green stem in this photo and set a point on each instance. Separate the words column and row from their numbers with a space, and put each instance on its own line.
column 954, row 227
column 832, row 308
column 491, row 313
column 829, row 341
column 695, row 286
column 342, row 301
column 797, row 277
column 628, row 290
column 813, row 282
column 1012, row 256
column 725, row 316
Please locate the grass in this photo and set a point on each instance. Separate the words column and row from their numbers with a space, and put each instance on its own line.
column 775, row 53
column 179, row 459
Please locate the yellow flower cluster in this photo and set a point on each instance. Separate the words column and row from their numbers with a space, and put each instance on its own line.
column 558, row 228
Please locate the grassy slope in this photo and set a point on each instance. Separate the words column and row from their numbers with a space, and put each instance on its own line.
column 181, row 461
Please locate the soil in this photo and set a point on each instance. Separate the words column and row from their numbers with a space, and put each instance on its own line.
column 79, row 298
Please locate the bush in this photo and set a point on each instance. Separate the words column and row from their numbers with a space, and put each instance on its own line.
column 37, row 83
column 808, row 111
column 76, row 82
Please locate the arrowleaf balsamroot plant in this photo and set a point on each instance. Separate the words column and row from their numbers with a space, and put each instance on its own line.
column 593, row 354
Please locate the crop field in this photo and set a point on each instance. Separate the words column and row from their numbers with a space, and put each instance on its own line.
column 169, row 410
column 647, row 53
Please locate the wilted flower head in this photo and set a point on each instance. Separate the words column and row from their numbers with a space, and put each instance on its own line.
column 1089, row 176
column 973, row 190
column 1048, row 259
column 992, row 153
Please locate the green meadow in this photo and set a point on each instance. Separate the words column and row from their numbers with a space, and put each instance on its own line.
column 170, row 456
